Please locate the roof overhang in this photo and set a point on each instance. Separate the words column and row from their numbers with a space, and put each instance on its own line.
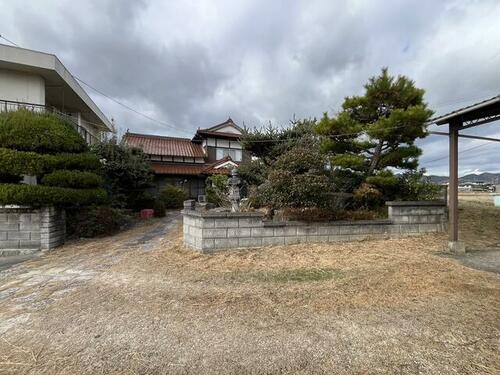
column 475, row 114
column 61, row 89
column 228, row 163
column 200, row 134
column 218, row 131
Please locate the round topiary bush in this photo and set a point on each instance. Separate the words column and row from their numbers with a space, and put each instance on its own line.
column 72, row 179
column 40, row 195
column 31, row 163
column 47, row 147
column 24, row 130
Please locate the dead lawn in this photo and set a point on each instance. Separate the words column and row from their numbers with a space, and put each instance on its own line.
column 121, row 305
column 479, row 221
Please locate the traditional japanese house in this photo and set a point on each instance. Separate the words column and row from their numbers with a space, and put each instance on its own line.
column 186, row 162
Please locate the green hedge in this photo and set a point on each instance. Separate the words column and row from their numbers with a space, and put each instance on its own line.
column 39, row 195
column 172, row 196
column 72, row 179
column 14, row 162
column 39, row 132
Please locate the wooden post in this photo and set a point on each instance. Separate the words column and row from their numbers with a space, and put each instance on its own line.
column 454, row 244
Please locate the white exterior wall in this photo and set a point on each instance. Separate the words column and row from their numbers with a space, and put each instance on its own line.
column 22, row 87
column 229, row 129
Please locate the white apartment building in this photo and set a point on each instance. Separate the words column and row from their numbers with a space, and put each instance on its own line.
column 38, row 81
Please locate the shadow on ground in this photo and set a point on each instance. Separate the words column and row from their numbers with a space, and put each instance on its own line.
column 484, row 259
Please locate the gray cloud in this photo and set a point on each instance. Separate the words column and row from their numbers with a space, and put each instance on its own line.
column 193, row 64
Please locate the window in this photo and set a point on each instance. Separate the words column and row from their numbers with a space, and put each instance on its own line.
column 237, row 155
column 235, row 144
column 223, row 152
column 222, row 143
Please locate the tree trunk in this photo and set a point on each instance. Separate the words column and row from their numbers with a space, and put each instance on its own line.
column 375, row 158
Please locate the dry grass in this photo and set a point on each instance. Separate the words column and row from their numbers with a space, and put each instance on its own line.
column 479, row 221
column 118, row 306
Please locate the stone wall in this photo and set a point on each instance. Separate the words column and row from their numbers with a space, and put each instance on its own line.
column 24, row 230
column 209, row 231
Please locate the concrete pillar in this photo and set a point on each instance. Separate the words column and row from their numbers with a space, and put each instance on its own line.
column 52, row 227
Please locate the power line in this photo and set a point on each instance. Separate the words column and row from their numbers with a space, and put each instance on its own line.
column 128, row 107
column 10, row 41
column 163, row 123
column 468, row 136
column 174, row 127
column 115, row 100
column 460, row 152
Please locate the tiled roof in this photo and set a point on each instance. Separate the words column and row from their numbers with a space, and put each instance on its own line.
column 212, row 168
column 191, row 169
column 215, row 130
column 166, row 146
column 218, row 134
column 178, row 169
column 228, row 122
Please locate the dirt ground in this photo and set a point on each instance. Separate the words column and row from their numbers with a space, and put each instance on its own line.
column 141, row 303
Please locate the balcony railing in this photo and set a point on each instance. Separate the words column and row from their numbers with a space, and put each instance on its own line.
column 9, row 105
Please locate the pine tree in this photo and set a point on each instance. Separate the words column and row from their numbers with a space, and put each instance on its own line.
column 376, row 132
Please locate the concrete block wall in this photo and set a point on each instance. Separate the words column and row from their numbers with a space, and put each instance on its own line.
column 420, row 212
column 209, row 231
column 52, row 227
column 23, row 229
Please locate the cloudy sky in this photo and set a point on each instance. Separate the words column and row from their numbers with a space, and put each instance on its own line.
column 193, row 63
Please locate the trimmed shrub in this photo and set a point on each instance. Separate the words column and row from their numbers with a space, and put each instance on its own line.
column 39, row 195
column 310, row 214
column 217, row 190
column 367, row 196
column 300, row 178
column 315, row 214
column 413, row 185
column 172, row 196
column 253, row 172
column 72, row 179
column 96, row 221
column 86, row 161
column 18, row 162
column 34, row 164
column 48, row 147
column 39, row 132
column 159, row 208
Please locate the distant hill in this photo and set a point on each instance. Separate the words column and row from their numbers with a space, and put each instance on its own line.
column 486, row 177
